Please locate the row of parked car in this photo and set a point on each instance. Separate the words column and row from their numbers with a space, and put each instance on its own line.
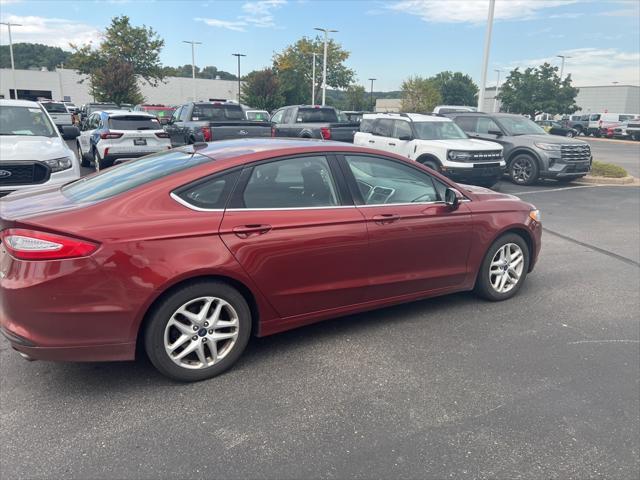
column 606, row 124
column 465, row 145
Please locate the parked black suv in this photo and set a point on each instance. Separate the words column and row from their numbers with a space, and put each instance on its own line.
column 529, row 151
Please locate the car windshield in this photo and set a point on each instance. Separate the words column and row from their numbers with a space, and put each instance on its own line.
column 520, row 126
column 130, row 175
column 258, row 116
column 216, row 112
column 54, row 107
column 26, row 121
column 438, row 131
column 316, row 115
column 134, row 122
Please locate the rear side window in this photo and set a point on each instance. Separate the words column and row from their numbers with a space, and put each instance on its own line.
column 316, row 115
column 134, row 122
column 383, row 127
column 130, row 175
column 594, row 117
column 366, row 125
column 211, row 193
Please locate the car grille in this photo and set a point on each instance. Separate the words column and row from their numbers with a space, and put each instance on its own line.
column 576, row 153
column 486, row 156
column 23, row 173
column 577, row 168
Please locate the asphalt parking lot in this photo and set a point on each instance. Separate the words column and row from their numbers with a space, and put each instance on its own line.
column 545, row 385
column 625, row 153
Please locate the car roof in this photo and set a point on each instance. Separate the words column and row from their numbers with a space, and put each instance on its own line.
column 18, row 103
column 126, row 113
column 415, row 117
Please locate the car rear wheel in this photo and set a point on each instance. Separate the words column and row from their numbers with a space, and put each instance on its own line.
column 523, row 170
column 432, row 164
column 198, row 331
column 570, row 134
column 84, row 160
column 504, row 268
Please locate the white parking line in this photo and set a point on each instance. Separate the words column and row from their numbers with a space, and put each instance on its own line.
column 555, row 190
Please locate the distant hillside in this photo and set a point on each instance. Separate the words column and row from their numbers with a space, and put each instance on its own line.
column 33, row 55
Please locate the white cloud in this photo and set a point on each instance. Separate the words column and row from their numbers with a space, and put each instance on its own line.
column 255, row 14
column 228, row 24
column 8, row 2
column 592, row 66
column 475, row 11
column 56, row 32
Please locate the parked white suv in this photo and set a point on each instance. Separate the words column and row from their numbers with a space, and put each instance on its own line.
column 32, row 151
column 436, row 142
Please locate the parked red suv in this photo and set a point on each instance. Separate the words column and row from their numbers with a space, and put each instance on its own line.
column 191, row 251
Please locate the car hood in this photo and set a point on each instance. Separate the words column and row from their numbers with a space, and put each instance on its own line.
column 21, row 147
column 466, row 144
column 546, row 138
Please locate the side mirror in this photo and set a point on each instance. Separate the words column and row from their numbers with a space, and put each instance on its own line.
column 497, row 133
column 405, row 138
column 451, row 198
column 69, row 132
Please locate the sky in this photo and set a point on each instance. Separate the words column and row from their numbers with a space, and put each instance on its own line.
column 388, row 40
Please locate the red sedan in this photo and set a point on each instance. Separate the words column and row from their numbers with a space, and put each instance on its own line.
column 189, row 252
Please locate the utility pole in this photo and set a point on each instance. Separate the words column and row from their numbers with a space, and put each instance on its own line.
column 563, row 57
column 371, row 94
column 238, row 55
column 13, row 66
column 193, row 64
column 324, row 62
column 313, row 80
column 59, row 70
column 495, row 97
column 485, row 59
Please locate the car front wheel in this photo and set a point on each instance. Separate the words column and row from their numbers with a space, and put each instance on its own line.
column 504, row 268
column 523, row 170
column 198, row 331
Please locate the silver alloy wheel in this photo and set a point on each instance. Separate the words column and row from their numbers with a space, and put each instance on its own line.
column 201, row 332
column 506, row 268
column 522, row 170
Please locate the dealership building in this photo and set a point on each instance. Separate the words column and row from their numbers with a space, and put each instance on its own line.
column 597, row 99
column 66, row 84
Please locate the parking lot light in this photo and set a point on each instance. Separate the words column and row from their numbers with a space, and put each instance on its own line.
column 485, row 59
column 193, row 64
column 324, row 62
column 372, row 80
column 13, row 66
column 238, row 55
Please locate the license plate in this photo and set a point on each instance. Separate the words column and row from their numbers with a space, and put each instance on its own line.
column 139, row 141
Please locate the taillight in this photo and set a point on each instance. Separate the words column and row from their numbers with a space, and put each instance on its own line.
column 108, row 135
column 162, row 135
column 325, row 132
column 206, row 134
column 33, row 245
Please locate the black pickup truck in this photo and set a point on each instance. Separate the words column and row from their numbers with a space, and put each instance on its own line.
column 312, row 121
column 209, row 121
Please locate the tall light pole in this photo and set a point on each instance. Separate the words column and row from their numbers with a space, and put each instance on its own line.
column 13, row 66
column 485, row 59
column 495, row 97
column 313, row 80
column 238, row 55
column 193, row 64
column 324, row 62
column 563, row 57
column 59, row 70
column 371, row 94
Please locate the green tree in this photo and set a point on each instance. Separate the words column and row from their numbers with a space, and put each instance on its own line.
column 355, row 98
column 261, row 89
column 420, row 95
column 294, row 66
column 456, row 88
column 538, row 90
column 132, row 51
column 33, row 55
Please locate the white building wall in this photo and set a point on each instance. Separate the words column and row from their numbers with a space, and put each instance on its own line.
column 609, row 98
column 65, row 82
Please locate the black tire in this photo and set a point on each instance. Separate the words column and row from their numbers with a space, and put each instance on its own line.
column 570, row 134
column 85, row 161
column 483, row 286
column 432, row 164
column 597, row 134
column 99, row 162
column 523, row 169
column 162, row 313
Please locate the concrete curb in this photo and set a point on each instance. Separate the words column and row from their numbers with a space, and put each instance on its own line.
column 609, row 181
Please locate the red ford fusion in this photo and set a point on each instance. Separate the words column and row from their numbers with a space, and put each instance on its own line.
column 189, row 252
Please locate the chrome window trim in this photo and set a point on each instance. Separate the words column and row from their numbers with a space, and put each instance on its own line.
column 184, row 203
column 329, row 207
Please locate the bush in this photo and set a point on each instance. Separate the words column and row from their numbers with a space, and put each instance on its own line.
column 609, row 170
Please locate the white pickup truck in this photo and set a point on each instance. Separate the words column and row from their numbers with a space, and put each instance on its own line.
column 436, row 142
column 58, row 113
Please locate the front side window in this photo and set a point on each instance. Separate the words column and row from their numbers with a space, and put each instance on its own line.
column 382, row 182
column 277, row 117
column 487, row 125
column 130, row 175
column 25, row 121
column 176, row 115
column 438, row 131
column 291, row 183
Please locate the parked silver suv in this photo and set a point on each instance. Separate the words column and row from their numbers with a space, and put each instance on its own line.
column 530, row 152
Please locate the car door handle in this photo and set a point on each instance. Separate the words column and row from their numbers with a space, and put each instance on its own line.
column 386, row 218
column 372, row 141
column 392, row 144
column 245, row 231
